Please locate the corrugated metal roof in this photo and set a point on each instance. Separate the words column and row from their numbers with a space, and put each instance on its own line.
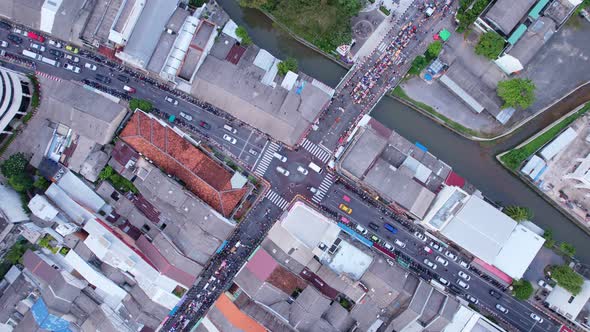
column 536, row 11
column 470, row 101
column 517, row 34
column 558, row 144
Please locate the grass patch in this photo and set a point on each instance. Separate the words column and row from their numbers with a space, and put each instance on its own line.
column 400, row 93
column 384, row 10
column 6, row 143
column 120, row 183
column 515, row 157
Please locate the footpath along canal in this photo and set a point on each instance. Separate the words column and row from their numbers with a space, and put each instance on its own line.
column 474, row 161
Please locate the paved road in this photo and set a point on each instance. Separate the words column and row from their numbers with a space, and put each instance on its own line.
column 256, row 152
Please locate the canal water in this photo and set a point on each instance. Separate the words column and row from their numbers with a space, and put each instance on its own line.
column 474, row 161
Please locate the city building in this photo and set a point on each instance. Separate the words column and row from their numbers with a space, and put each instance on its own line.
column 572, row 307
column 467, row 320
column 169, row 148
column 15, row 96
column 11, row 209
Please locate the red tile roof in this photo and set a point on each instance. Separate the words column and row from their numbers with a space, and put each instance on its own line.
column 455, row 180
column 202, row 175
column 163, row 265
column 235, row 54
column 123, row 153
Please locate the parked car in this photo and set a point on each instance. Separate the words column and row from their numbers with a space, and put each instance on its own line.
column 462, row 284
column 15, row 39
column 89, row 65
column 501, row 308
column 3, row 43
column 344, row 220
column 374, row 238
column 56, row 53
column 542, row 283
column 464, row 275
column 37, row 47
column 280, row 169
column 495, row 294
column 388, row 246
column 436, row 246
column 420, row 236
column 345, row 208
column 55, row 43
column 73, row 68
column 361, row 229
column 443, row 281
column 207, row 126
column 36, row 36
column 186, row 116
column 230, row 139
column 471, row 299
column 173, row 102
column 5, row 26
column 399, row 243
column 465, row 264
column 103, row 79
column 72, row 58
column 430, row 264
column 72, row 48
column 302, row 170
column 451, row 255
column 537, row 318
column 123, row 78
column 441, row 260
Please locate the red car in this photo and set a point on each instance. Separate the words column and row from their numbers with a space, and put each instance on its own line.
column 346, row 198
column 36, row 37
column 345, row 220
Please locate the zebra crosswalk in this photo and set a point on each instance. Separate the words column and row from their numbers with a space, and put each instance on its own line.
column 323, row 189
column 382, row 47
column 318, row 151
column 266, row 158
column 277, row 199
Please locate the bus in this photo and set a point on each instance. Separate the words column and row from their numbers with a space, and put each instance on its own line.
column 32, row 55
column 50, row 61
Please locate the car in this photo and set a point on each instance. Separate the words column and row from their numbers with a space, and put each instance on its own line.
column 345, row 208
column 72, row 58
column 344, row 220
column 187, row 117
column 451, row 255
column 390, row 228
column 3, row 43
column 313, row 189
column 455, row 289
column 428, row 250
column 388, row 246
column 542, row 283
column 5, row 26
column 441, row 260
column 495, row 294
column 501, row 308
column 471, row 299
column 464, row 275
column 103, row 79
column 280, row 169
column 430, row 264
column 38, row 47
column 346, row 198
column 253, row 152
column 462, row 284
column 55, row 43
column 207, row 126
column 537, row 318
column 123, row 78
column 131, row 89
column 56, row 53
column 464, row 264
column 373, row 226
column 420, row 236
column 436, row 246
column 230, row 139
column 72, row 48
column 361, row 229
column 302, row 170
column 173, row 102
column 73, row 68
column 15, row 39
column 443, row 281
column 36, row 36
column 90, row 66
column 399, row 243
column 19, row 31
column 374, row 238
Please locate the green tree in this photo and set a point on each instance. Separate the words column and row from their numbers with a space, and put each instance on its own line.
column 517, row 93
column 196, row 3
column 549, row 240
column 253, row 3
column 290, row 64
column 522, row 289
column 41, row 183
column 490, row 45
column 106, row 173
column 14, row 165
column 21, row 182
column 243, row 34
column 420, row 63
column 350, row 7
column 15, row 254
column 518, row 213
column 567, row 248
column 567, row 278
column 434, row 50
column 144, row 105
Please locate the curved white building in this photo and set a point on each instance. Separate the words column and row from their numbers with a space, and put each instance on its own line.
column 15, row 95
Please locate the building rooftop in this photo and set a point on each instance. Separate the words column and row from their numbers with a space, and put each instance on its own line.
column 533, row 40
column 180, row 24
column 365, row 150
column 101, row 20
column 506, row 14
column 196, row 48
column 565, row 303
column 519, row 251
column 10, row 206
column 178, row 157
column 26, row 12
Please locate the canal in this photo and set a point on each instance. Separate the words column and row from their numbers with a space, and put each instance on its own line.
column 472, row 160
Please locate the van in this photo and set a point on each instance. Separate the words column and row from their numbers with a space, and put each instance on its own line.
column 277, row 155
column 32, row 55
column 230, row 129
column 51, row 62
column 315, row 167
column 361, row 229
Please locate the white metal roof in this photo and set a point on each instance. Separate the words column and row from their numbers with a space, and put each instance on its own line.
column 509, row 64
column 518, row 252
column 559, row 300
column 181, row 45
column 289, row 80
column 533, row 167
column 558, row 144
column 464, row 95
column 10, row 205
column 264, row 60
column 301, row 219
column 230, row 30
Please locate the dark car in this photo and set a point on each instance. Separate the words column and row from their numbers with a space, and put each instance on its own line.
column 56, row 53
column 123, row 78
column 103, row 79
column 390, row 228
column 455, row 289
column 373, row 226
column 4, row 25
column 15, row 38
column 495, row 294
column 205, row 125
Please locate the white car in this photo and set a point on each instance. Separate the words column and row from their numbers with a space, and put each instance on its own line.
column 544, row 284
column 302, row 170
column 430, row 264
column 229, row 139
column 441, row 260
column 465, row 264
column 443, row 281
column 399, row 243
column 173, row 102
column 3, row 43
column 388, row 246
column 282, row 170
column 72, row 58
column 451, row 255
column 436, row 246
column 55, row 43
column 190, row 118
column 253, row 152
column 501, row 308
column 72, row 68
column 462, row 284
column 471, row 299
column 420, row 236
column 90, row 66
column 464, row 275
column 38, row 47
column 537, row 318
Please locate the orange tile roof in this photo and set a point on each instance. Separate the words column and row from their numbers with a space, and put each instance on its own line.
column 168, row 150
column 236, row 317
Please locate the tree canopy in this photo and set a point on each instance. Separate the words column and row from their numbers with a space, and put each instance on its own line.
column 490, row 45
column 434, row 49
column 420, row 63
column 522, row 289
column 290, row 64
column 567, row 278
column 243, row 34
column 567, row 248
column 549, row 240
column 14, row 165
column 517, row 93
column 518, row 213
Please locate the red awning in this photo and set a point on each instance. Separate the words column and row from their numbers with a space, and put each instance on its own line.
column 494, row 270
column 453, row 179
